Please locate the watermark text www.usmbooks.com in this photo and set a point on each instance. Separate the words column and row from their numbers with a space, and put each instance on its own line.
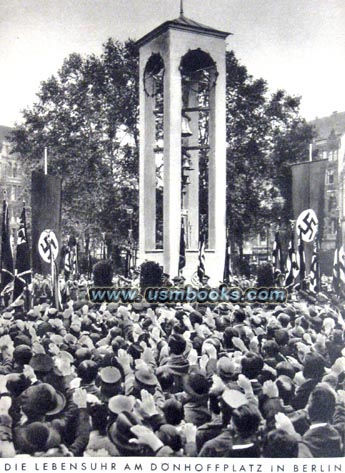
column 188, row 294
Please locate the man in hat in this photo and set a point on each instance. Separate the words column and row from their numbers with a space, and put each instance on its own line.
column 110, row 382
column 179, row 281
column 175, row 362
column 6, row 360
column 195, row 398
column 239, row 439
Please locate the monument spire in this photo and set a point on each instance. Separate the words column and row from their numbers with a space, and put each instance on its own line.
column 181, row 8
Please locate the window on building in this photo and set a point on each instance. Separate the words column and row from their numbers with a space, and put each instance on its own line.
column 332, row 203
column 333, row 226
column 330, row 177
column 263, row 236
column 15, row 170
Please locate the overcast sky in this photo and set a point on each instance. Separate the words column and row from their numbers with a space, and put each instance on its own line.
column 296, row 45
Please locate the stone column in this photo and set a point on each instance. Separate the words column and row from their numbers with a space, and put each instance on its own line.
column 172, row 161
column 192, row 196
column 147, row 170
column 217, row 163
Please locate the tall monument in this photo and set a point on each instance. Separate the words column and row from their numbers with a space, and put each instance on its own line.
column 183, row 146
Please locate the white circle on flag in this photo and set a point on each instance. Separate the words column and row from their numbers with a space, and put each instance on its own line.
column 307, row 225
column 48, row 246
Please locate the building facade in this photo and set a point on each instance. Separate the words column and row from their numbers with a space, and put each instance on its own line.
column 11, row 178
column 330, row 144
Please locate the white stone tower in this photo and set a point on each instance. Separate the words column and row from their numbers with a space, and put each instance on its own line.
column 183, row 146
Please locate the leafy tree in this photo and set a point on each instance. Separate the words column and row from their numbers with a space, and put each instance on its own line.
column 86, row 115
column 264, row 135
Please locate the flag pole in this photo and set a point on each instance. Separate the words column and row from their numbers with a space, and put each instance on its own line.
column 45, row 161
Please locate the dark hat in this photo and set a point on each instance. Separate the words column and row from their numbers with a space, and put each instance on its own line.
column 239, row 314
column 196, row 384
column 37, row 437
column 313, row 365
column 195, row 317
column 22, row 339
column 177, row 343
column 43, row 328
column 120, row 433
column 22, row 354
column 110, row 375
column 16, row 383
column 146, row 377
column 281, row 336
column 42, row 399
column 42, row 363
column 170, row 436
column 284, row 319
column 135, row 350
column 316, row 323
column 173, row 411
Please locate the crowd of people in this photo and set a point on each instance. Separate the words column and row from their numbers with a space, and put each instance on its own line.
column 207, row 380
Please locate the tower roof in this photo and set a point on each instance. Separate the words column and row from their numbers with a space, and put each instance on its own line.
column 184, row 24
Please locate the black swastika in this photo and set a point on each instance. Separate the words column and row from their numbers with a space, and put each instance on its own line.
column 47, row 242
column 310, row 225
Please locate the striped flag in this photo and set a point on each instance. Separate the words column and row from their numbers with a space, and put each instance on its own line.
column 301, row 260
column 201, row 263
column 6, row 256
column 227, row 273
column 56, row 292
column 339, row 266
column 71, row 257
column 88, row 255
column 314, row 274
column 23, row 267
column 291, row 263
column 277, row 257
column 67, row 261
column 342, row 270
column 182, row 254
column 195, row 280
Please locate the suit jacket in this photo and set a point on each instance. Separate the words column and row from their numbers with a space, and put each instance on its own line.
column 323, row 441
